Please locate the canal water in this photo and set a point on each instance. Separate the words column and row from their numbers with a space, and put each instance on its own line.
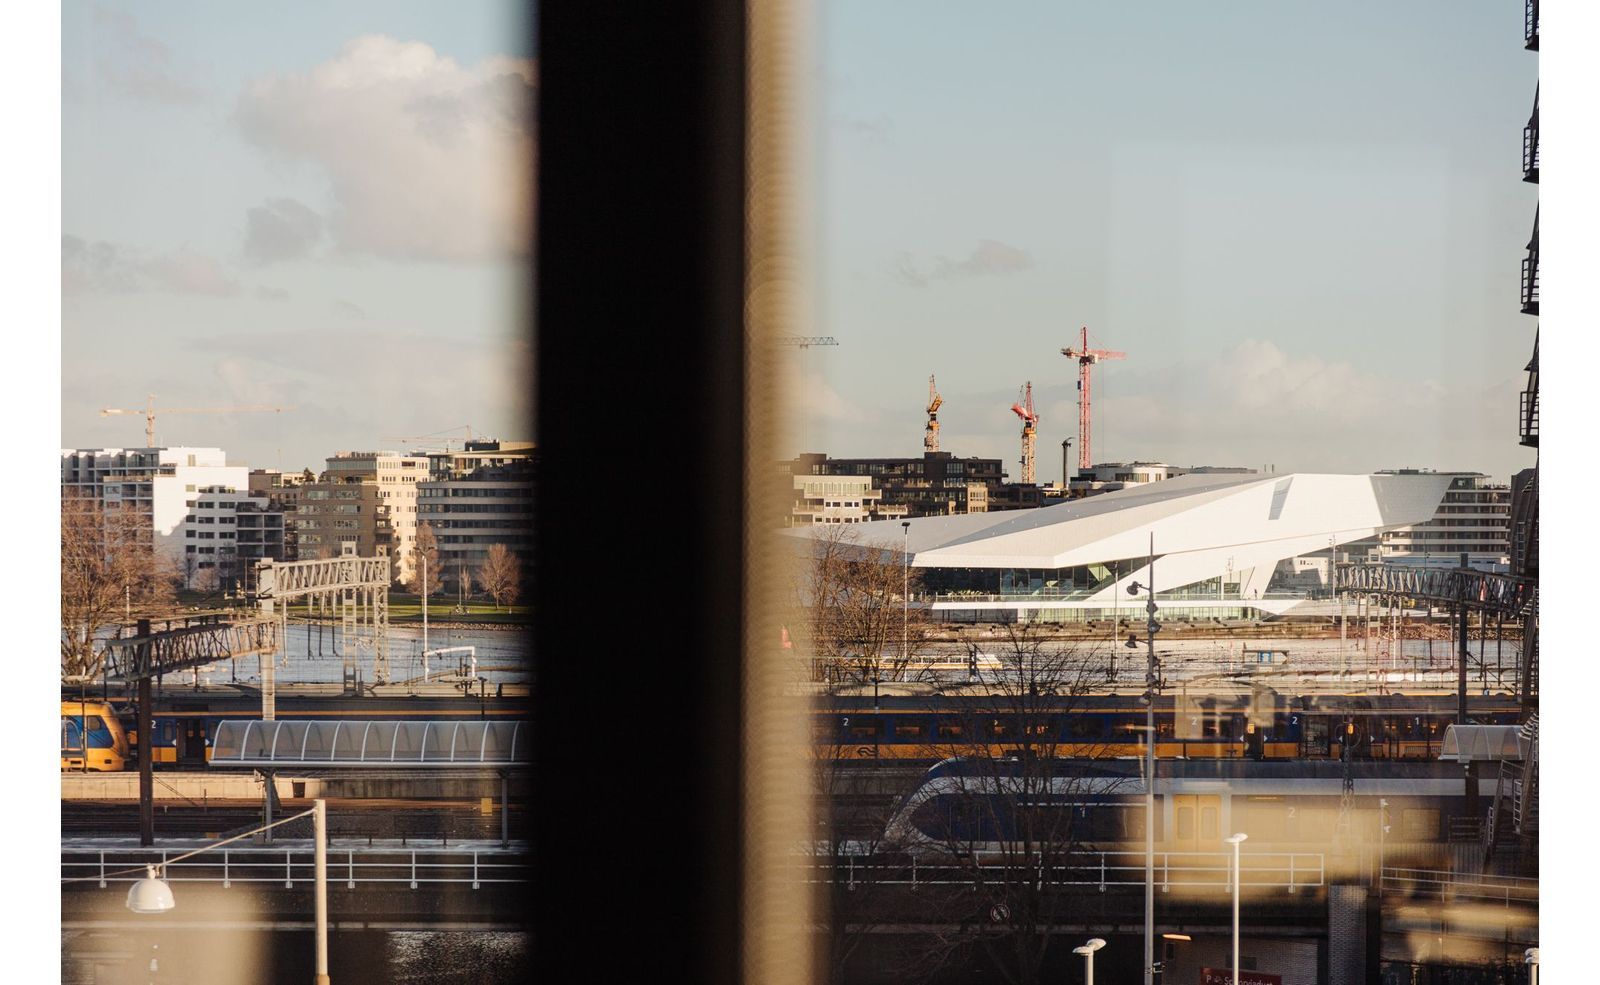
column 316, row 653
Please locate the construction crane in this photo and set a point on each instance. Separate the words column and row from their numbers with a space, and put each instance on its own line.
column 1086, row 358
column 1023, row 408
column 151, row 410
column 930, row 436
column 423, row 437
column 806, row 341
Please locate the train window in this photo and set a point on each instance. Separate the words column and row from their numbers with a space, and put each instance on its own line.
column 950, row 730
column 1086, row 727
column 1208, row 824
column 1419, row 825
column 908, row 730
column 1000, row 729
column 864, row 730
column 822, row 729
column 1038, row 729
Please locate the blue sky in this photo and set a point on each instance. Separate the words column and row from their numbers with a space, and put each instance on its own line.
column 294, row 204
column 1303, row 222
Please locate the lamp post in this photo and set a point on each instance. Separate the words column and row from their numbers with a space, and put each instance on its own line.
column 1383, row 829
column 905, row 595
column 152, row 894
column 1530, row 957
column 1087, row 951
column 1152, row 682
column 1236, row 841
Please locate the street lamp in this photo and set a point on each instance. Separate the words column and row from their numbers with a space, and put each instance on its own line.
column 1152, row 683
column 1383, row 829
column 905, row 595
column 152, row 894
column 1236, row 841
column 1087, row 951
column 1530, row 957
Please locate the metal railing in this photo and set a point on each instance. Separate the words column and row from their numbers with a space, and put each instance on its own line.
column 1291, row 871
column 288, row 866
column 1530, row 25
column 1530, row 283
column 1530, row 150
column 1530, row 417
column 1453, row 885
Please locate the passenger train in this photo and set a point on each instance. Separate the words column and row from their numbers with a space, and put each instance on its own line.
column 182, row 726
column 1279, row 727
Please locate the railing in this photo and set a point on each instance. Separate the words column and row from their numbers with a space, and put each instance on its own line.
column 1530, row 25
column 1530, row 282
column 287, row 867
column 1530, row 417
column 1530, row 149
column 1453, row 885
column 1291, row 871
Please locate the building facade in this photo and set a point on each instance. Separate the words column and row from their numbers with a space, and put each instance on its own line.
column 162, row 484
column 393, row 523
column 329, row 515
column 1219, row 540
column 1473, row 518
column 839, row 499
column 224, row 534
column 937, row 483
column 472, row 511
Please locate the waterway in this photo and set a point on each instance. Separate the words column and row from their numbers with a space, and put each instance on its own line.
column 317, row 654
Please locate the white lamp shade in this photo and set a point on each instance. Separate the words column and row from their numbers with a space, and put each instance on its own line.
column 150, row 894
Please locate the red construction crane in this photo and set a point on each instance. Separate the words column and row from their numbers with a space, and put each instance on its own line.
column 1086, row 358
column 1023, row 408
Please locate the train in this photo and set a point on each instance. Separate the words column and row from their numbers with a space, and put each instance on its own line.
column 1109, row 726
column 974, row 805
column 101, row 734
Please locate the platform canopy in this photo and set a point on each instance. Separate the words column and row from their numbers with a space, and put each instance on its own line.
column 1481, row 743
column 288, row 743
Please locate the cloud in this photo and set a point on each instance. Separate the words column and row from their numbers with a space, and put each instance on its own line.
column 989, row 258
column 426, row 159
column 280, row 229
column 137, row 64
column 266, row 293
column 99, row 267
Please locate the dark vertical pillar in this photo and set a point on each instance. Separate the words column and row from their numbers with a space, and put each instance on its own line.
column 147, row 805
column 1463, row 653
column 641, row 375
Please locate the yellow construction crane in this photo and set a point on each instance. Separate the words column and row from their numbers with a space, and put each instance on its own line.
column 151, row 410
column 930, row 436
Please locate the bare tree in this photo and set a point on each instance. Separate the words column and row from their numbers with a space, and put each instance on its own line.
column 501, row 576
column 108, row 562
column 1018, row 804
column 424, row 549
column 860, row 623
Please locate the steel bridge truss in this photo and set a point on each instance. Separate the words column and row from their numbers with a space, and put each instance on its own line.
column 201, row 641
column 354, row 590
column 1503, row 595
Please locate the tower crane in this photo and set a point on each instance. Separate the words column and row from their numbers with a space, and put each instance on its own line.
column 151, row 410
column 930, row 437
column 423, row 437
column 1023, row 408
column 1086, row 358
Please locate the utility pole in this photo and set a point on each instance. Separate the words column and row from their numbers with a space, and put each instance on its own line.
column 1152, row 681
column 424, row 556
column 1464, row 651
column 147, row 803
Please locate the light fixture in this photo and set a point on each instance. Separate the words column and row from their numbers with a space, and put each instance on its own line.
column 150, row 894
column 1236, row 839
column 1177, row 937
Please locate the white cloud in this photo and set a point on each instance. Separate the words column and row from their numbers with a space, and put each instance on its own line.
column 137, row 64
column 280, row 229
column 425, row 158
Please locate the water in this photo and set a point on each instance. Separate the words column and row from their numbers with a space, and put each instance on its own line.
column 315, row 655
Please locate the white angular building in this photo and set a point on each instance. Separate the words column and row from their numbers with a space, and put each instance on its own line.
column 161, row 483
column 1217, row 539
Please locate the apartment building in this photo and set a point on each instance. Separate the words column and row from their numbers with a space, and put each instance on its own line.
column 839, row 499
column 225, row 533
column 472, row 510
column 163, row 484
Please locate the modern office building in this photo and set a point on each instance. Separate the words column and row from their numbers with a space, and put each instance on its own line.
column 473, row 511
column 163, row 484
column 1218, row 540
column 476, row 454
column 936, row 483
column 1112, row 476
column 1473, row 518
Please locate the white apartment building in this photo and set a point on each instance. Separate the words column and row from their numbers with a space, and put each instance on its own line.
column 225, row 532
column 162, row 483
column 395, row 477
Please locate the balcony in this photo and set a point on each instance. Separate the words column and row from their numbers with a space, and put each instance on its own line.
column 1530, row 273
column 1530, row 144
column 1525, row 529
column 1529, row 428
column 1530, row 25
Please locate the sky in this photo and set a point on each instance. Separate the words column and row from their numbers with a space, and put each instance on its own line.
column 1303, row 223
column 320, row 207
